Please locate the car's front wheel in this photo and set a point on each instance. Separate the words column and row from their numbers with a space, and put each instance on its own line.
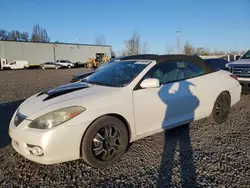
column 104, row 142
column 221, row 108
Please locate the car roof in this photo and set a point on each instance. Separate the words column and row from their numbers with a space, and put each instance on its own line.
column 165, row 58
column 161, row 58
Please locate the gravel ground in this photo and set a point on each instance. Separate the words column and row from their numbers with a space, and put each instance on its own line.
column 199, row 155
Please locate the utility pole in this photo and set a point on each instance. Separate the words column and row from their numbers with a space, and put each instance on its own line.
column 179, row 45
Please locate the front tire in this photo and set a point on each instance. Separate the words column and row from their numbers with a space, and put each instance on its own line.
column 221, row 109
column 104, row 142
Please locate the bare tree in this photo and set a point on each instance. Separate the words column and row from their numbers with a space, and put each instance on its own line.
column 201, row 51
column 24, row 36
column 145, row 48
column 39, row 34
column 14, row 35
column 216, row 52
column 188, row 49
column 132, row 45
column 100, row 40
column 170, row 49
column 3, row 34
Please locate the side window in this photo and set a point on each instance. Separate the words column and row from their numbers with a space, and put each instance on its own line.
column 169, row 71
column 193, row 70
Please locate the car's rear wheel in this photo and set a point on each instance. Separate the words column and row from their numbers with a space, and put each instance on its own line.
column 69, row 66
column 221, row 108
column 104, row 142
column 43, row 67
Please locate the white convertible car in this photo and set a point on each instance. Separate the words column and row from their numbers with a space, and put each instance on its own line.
column 96, row 119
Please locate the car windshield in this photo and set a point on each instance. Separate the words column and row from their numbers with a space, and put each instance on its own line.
column 105, row 64
column 118, row 74
column 246, row 55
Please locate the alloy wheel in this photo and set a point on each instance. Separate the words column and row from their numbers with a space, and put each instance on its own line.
column 107, row 143
column 222, row 108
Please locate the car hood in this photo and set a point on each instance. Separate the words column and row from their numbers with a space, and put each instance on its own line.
column 240, row 62
column 63, row 96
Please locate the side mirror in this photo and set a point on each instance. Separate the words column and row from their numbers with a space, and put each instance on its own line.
column 150, row 83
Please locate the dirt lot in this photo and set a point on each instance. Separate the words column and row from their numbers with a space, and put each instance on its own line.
column 198, row 155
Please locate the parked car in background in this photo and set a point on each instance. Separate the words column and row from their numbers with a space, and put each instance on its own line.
column 217, row 63
column 50, row 65
column 241, row 68
column 18, row 64
column 80, row 64
column 128, row 100
column 66, row 63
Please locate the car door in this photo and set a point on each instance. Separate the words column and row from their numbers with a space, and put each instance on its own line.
column 52, row 65
column 19, row 65
column 167, row 106
column 14, row 65
column 203, row 85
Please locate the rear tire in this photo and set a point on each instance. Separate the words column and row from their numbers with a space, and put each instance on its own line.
column 69, row 67
column 43, row 68
column 104, row 142
column 221, row 109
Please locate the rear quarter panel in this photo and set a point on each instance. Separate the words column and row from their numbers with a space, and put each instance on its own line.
column 209, row 87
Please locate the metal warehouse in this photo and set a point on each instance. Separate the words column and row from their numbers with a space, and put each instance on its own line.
column 36, row 53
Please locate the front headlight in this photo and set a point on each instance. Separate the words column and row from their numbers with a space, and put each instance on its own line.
column 55, row 118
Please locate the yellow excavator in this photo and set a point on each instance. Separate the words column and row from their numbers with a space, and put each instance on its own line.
column 98, row 60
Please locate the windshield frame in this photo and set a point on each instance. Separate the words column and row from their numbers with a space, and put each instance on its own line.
column 244, row 55
column 121, row 61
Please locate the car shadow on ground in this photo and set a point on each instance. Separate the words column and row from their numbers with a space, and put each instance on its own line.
column 177, row 156
column 6, row 112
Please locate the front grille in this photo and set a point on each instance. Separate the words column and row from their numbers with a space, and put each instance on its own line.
column 241, row 71
column 245, row 85
column 19, row 118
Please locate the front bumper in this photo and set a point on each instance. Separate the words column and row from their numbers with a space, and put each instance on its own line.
column 59, row 144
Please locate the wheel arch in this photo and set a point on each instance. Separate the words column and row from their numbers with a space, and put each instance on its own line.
column 118, row 116
column 224, row 91
column 227, row 92
column 230, row 100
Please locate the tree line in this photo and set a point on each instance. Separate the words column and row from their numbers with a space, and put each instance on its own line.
column 39, row 34
column 132, row 46
column 191, row 50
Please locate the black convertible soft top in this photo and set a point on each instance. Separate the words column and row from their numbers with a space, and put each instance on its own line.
column 165, row 58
